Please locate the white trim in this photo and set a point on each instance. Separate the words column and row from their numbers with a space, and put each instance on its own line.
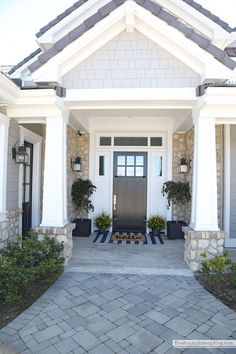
column 204, row 200
column 55, row 177
column 227, row 178
column 4, row 128
column 36, row 140
column 108, row 151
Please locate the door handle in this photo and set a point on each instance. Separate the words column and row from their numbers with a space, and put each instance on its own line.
column 114, row 202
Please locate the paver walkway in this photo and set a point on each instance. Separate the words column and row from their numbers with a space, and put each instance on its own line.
column 117, row 313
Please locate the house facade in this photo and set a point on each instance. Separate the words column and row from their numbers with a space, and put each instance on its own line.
column 131, row 88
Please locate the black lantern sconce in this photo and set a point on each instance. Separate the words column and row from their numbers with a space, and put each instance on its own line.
column 184, row 165
column 19, row 154
column 76, row 164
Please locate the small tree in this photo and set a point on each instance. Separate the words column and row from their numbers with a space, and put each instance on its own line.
column 177, row 193
column 81, row 192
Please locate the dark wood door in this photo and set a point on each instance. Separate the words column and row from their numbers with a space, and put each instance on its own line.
column 27, row 191
column 129, row 191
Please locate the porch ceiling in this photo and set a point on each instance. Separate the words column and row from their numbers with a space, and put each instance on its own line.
column 179, row 119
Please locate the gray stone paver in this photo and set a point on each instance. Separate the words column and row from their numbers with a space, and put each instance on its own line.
column 117, row 313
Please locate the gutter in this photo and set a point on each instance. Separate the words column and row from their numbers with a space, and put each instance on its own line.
column 201, row 89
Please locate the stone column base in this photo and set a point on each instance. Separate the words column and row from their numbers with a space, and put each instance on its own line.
column 9, row 228
column 62, row 234
column 196, row 242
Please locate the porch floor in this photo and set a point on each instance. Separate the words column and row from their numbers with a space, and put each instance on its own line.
column 128, row 259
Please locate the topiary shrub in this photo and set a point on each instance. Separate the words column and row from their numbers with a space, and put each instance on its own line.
column 81, row 192
column 156, row 223
column 103, row 222
column 26, row 263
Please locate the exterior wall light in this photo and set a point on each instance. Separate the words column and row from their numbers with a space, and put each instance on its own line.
column 184, row 167
column 20, row 155
column 76, row 164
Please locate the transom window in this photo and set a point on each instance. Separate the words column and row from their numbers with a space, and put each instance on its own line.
column 130, row 166
column 153, row 141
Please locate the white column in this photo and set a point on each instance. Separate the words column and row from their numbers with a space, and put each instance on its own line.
column 55, row 175
column 4, row 129
column 204, row 189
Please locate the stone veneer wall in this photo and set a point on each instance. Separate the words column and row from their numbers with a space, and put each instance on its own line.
column 183, row 146
column 76, row 146
column 9, row 228
column 197, row 242
column 63, row 235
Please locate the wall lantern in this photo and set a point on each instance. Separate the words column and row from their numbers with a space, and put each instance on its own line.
column 184, row 168
column 20, row 155
column 76, row 164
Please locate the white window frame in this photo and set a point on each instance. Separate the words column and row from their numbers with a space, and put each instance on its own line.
column 4, row 131
column 36, row 140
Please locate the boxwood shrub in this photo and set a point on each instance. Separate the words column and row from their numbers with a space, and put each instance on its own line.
column 28, row 263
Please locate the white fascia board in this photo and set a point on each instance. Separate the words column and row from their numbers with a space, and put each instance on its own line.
column 178, row 98
column 8, row 90
column 180, row 46
column 134, row 94
column 195, row 18
column 102, row 29
column 71, row 21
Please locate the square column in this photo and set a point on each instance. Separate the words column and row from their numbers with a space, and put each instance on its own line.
column 204, row 190
column 4, row 128
column 55, row 176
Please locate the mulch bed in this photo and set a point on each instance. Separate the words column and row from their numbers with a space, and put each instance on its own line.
column 10, row 311
column 222, row 286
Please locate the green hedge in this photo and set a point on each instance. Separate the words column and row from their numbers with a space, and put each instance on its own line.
column 27, row 263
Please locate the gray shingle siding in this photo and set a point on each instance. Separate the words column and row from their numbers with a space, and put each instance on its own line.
column 12, row 168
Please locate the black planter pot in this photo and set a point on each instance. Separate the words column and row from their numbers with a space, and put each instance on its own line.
column 83, row 227
column 174, row 229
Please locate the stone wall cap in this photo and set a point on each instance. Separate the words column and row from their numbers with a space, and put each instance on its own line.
column 192, row 234
column 14, row 213
column 67, row 229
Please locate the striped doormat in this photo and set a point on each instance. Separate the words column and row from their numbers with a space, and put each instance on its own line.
column 128, row 238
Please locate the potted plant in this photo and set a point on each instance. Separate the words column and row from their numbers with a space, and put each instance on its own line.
column 103, row 222
column 156, row 223
column 81, row 192
column 177, row 193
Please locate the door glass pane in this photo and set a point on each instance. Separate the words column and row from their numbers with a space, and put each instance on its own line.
column 139, row 172
column 130, row 171
column 158, row 166
column 121, row 160
column 130, row 160
column 27, row 193
column 139, row 160
column 27, row 174
column 120, row 171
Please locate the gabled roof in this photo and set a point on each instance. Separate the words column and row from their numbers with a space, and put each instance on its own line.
column 210, row 15
column 79, row 3
column 25, row 60
column 151, row 6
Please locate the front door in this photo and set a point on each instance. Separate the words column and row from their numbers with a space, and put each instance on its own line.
column 27, row 191
column 129, row 191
